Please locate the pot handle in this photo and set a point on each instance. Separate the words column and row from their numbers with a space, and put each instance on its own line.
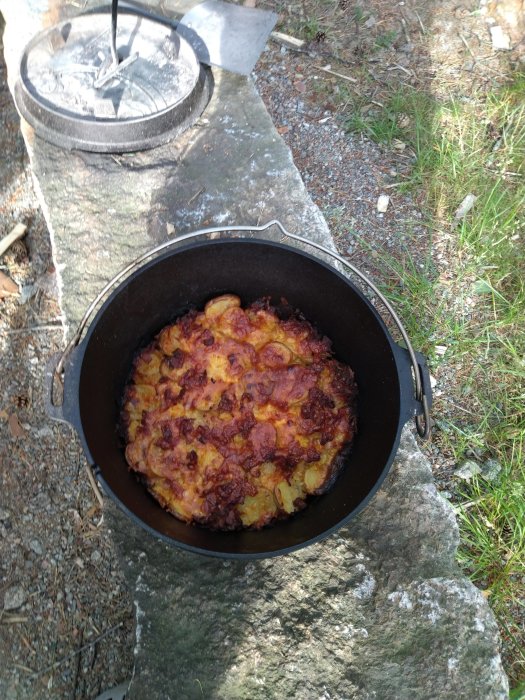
column 421, row 387
column 412, row 407
column 54, row 411
column 65, row 408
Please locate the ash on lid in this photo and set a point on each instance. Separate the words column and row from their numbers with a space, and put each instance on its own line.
column 62, row 90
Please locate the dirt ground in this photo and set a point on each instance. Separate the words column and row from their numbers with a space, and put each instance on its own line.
column 66, row 627
column 66, row 624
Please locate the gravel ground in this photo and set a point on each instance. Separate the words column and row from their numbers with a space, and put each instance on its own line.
column 66, row 628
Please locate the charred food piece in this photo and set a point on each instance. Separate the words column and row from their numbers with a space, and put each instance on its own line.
column 234, row 417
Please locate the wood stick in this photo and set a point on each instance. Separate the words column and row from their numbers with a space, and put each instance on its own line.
column 405, row 29
column 466, row 44
column 422, row 26
column 30, row 329
column 14, row 619
column 7, row 241
column 337, row 75
column 94, row 485
column 81, row 649
column 396, row 66
column 287, row 40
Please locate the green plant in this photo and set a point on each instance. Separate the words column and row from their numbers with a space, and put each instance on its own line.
column 461, row 147
column 358, row 15
column 518, row 693
column 310, row 29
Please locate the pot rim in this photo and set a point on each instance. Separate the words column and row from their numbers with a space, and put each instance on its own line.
column 423, row 394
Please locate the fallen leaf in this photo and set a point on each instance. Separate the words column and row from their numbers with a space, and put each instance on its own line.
column 283, row 129
column 300, row 86
column 8, row 288
column 15, row 427
column 4, row 415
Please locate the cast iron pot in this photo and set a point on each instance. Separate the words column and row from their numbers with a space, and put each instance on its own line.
column 393, row 381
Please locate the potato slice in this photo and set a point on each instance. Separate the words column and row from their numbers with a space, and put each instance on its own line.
column 216, row 307
column 147, row 370
column 139, row 398
column 286, row 495
column 258, row 510
column 162, row 490
column 169, row 339
column 314, row 478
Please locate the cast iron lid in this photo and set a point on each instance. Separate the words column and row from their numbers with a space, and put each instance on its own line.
column 90, row 84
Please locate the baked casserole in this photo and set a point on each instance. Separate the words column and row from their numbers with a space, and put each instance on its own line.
column 234, row 417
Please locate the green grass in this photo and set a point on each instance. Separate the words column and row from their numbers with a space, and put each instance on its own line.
column 385, row 41
column 309, row 29
column 518, row 693
column 462, row 147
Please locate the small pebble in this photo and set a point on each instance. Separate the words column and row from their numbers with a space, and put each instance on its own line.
column 14, row 598
column 491, row 469
column 500, row 39
column 96, row 556
column 382, row 203
column 468, row 470
column 36, row 547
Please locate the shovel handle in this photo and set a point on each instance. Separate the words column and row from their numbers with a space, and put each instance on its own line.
column 114, row 19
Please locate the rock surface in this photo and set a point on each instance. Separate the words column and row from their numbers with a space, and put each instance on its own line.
column 378, row 610
column 103, row 211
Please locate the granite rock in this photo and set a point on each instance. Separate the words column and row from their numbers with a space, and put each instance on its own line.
column 378, row 610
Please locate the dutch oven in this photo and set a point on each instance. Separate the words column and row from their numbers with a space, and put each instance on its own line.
column 392, row 380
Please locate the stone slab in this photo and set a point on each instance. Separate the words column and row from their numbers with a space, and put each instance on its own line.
column 103, row 211
column 378, row 610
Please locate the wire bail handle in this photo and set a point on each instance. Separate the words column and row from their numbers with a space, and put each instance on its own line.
column 422, row 420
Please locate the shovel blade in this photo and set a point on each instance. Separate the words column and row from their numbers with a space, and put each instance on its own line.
column 226, row 35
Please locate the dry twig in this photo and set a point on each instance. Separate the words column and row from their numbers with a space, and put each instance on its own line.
column 337, row 75
column 405, row 29
column 14, row 619
column 80, row 649
column 465, row 43
column 422, row 26
column 94, row 485
column 192, row 199
column 7, row 241
column 31, row 329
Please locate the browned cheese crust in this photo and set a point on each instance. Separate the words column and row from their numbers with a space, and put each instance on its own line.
column 234, row 416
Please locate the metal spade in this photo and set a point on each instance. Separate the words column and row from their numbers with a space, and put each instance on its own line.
column 221, row 34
